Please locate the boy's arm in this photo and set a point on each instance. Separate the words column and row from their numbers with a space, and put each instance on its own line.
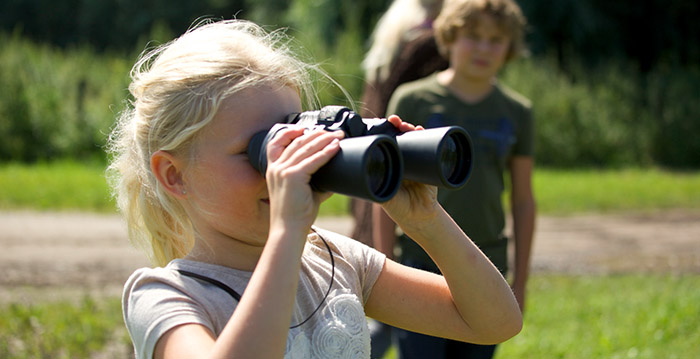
column 383, row 229
column 523, row 210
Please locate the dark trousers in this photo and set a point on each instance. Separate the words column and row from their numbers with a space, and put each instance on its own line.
column 418, row 346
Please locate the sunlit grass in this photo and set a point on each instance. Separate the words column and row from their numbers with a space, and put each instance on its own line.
column 74, row 186
column 568, row 317
column 54, row 186
column 574, row 191
column 566, row 192
column 628, row 316
column 60, row 329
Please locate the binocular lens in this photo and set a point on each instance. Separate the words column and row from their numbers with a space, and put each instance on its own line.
column 367, row 167
column 449, row 157
column 437, row 156
column 379, row 167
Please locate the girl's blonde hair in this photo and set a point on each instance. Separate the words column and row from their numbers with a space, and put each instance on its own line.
column 177, row 89
column 391, row 31
column 457, row 14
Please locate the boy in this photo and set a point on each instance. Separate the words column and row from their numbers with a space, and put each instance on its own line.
column 477, row 37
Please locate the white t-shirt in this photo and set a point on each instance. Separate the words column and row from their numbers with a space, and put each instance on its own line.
column 158, row 299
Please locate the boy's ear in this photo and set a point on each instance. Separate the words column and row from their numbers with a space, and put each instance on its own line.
column 168, row 172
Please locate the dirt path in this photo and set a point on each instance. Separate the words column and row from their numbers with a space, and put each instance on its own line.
column 68, row 252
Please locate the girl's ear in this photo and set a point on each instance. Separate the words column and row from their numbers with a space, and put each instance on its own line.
column 168, row 171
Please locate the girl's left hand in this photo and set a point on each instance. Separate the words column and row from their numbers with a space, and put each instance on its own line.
column 415, row 202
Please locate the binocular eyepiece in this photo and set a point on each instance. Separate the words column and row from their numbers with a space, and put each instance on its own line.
column 375, row 156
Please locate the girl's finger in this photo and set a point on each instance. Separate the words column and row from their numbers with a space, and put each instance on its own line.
column 306, row 145
column 312, row 145
column 282, row 139
column 310, row 164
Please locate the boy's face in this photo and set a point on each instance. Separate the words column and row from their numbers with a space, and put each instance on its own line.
column 479, row 51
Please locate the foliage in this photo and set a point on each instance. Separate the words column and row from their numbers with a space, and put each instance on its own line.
column 672, row 101
column 613, row 116
column 649, row 33
column 56, row 103
column 646, row 33
column 594, row 106
column 105, row 24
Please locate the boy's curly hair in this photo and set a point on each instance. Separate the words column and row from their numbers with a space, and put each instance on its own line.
column 458, row 14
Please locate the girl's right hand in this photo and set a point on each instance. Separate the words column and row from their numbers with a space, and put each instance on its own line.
column 293, row 155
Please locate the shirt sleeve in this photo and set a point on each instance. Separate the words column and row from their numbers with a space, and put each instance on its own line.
column 366, row 261
column 152, row 304
column 525, row 144
column 372, row 263
column 400, row 104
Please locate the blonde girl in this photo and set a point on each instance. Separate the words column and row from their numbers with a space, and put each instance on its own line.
column 240, row 272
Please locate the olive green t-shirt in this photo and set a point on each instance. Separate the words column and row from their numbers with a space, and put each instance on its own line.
column 500, row 126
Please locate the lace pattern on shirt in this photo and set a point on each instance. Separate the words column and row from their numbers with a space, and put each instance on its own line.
column 340, row 332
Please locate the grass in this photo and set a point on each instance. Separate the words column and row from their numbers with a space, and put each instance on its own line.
column 567, row 192
column 75, row 186
column 60, row 329
column 625, row 316
column 631, row 316
column 568, row 317
column 628, row 316
column 576, row 191
column 63, row 185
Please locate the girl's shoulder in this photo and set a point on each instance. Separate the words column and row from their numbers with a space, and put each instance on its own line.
column 338, row 244
column 150, row 276
column 157, row 299
column 355, row 261
column 172, row 277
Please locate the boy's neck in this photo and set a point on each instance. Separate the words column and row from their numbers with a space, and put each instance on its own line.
column 469, row 90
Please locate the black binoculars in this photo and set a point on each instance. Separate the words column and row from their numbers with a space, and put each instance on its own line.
column 375, row 156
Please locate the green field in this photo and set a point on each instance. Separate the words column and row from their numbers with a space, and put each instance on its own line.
column 629, row 316
column 54, row 186
column 572, row 317
column 82, row 187
column 64, row 329
column 568, row 316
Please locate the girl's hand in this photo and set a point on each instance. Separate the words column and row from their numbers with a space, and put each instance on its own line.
column 293, row 155
column 415, row 202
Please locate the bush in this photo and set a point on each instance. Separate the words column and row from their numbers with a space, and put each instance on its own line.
column 62, row 103
column 611, row 116
column 673, row 103
column 56, row 103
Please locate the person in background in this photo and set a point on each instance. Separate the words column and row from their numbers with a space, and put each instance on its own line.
column 241, row 271
column 403, row 49
column 478, row 37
